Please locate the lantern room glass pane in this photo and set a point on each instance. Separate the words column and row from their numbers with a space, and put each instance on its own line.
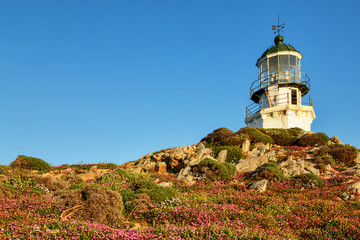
column 283, row 60
column 273, row 62
column 263, row 66
column 293, row 60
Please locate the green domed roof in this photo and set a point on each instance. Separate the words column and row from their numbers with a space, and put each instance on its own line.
column 279, row 46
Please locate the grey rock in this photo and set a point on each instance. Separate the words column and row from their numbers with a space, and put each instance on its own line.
column 259, row 150
column 251, row 164
column 221, row 157
column 259, row 185
column 246, row 146
column 346, row 196
column 313, row 170
column 355, row 187
column 165, row 184
column 184, row 172
column 200, row 146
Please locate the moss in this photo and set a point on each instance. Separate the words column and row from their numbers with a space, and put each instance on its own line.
column 30, row 163
column 234, row 154
column 256, row 135
column 215, row 170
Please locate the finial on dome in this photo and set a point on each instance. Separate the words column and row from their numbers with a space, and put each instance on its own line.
column 278, row 40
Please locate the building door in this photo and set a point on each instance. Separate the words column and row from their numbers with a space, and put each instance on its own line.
column 293, row 96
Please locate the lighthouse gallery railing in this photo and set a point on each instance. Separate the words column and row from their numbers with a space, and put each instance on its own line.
column 278, row 100
column 279, row 78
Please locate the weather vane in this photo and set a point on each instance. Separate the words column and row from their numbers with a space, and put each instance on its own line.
column 278, row 28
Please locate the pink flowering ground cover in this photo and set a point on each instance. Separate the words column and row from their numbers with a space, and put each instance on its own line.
column 206, row 210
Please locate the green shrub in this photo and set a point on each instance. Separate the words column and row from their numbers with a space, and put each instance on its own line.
column 316, row 139
column 30, row 163
column 215, row 170
column 218, row 136
column 236, row 140
column 256, row 135
column 306, row 178
column 269, row 171
column 283, row 137
column 323, row 136
column 233, row 153
column 156, row 192
column 342, row 154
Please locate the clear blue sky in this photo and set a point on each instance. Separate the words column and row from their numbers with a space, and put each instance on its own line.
column 109, row 81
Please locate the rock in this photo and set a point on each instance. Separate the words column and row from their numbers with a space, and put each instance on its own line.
column 158, row 157
column 90, row 176
column 221, row 157
column 184, row 173
column 165, row 184
column 251, row 164
column 312, row 170
column 149, row 166
column 246, row 146
column 355, row 187
column 346, row 196
column 3, row 178
column 271, row 156
column 160, row 167
column 200, row 146
column 259, row 185
column 294, row 168
column 336, row 140
column 189, row 180
column 259, row 150
column 94, row 169
column 175, row 160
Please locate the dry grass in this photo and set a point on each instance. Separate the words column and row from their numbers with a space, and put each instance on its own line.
column 99, row 205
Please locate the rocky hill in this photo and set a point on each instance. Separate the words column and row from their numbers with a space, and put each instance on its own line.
column 250, row 184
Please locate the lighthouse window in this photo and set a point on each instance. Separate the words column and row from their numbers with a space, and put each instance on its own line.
column 284, row 60
column 293, row 96
column 292, row 60
column 273, row 62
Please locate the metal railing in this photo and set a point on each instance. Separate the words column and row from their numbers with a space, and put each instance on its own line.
column 278, row 78
column 277, row 100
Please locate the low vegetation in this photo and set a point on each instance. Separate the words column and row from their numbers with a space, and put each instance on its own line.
column 216, row 204
column 215, row 170
column 30, row 163
column 234, row 154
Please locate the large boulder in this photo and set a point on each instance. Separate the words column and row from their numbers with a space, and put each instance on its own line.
column 160, row 167
column 251, row 164
column 222, row 155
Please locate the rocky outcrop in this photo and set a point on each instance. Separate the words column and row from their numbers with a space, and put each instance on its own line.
column 297, row 167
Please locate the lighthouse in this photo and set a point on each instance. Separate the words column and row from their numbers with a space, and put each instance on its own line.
column 280, row 93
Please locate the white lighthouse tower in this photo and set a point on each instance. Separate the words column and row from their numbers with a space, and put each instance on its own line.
column 280, row 92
